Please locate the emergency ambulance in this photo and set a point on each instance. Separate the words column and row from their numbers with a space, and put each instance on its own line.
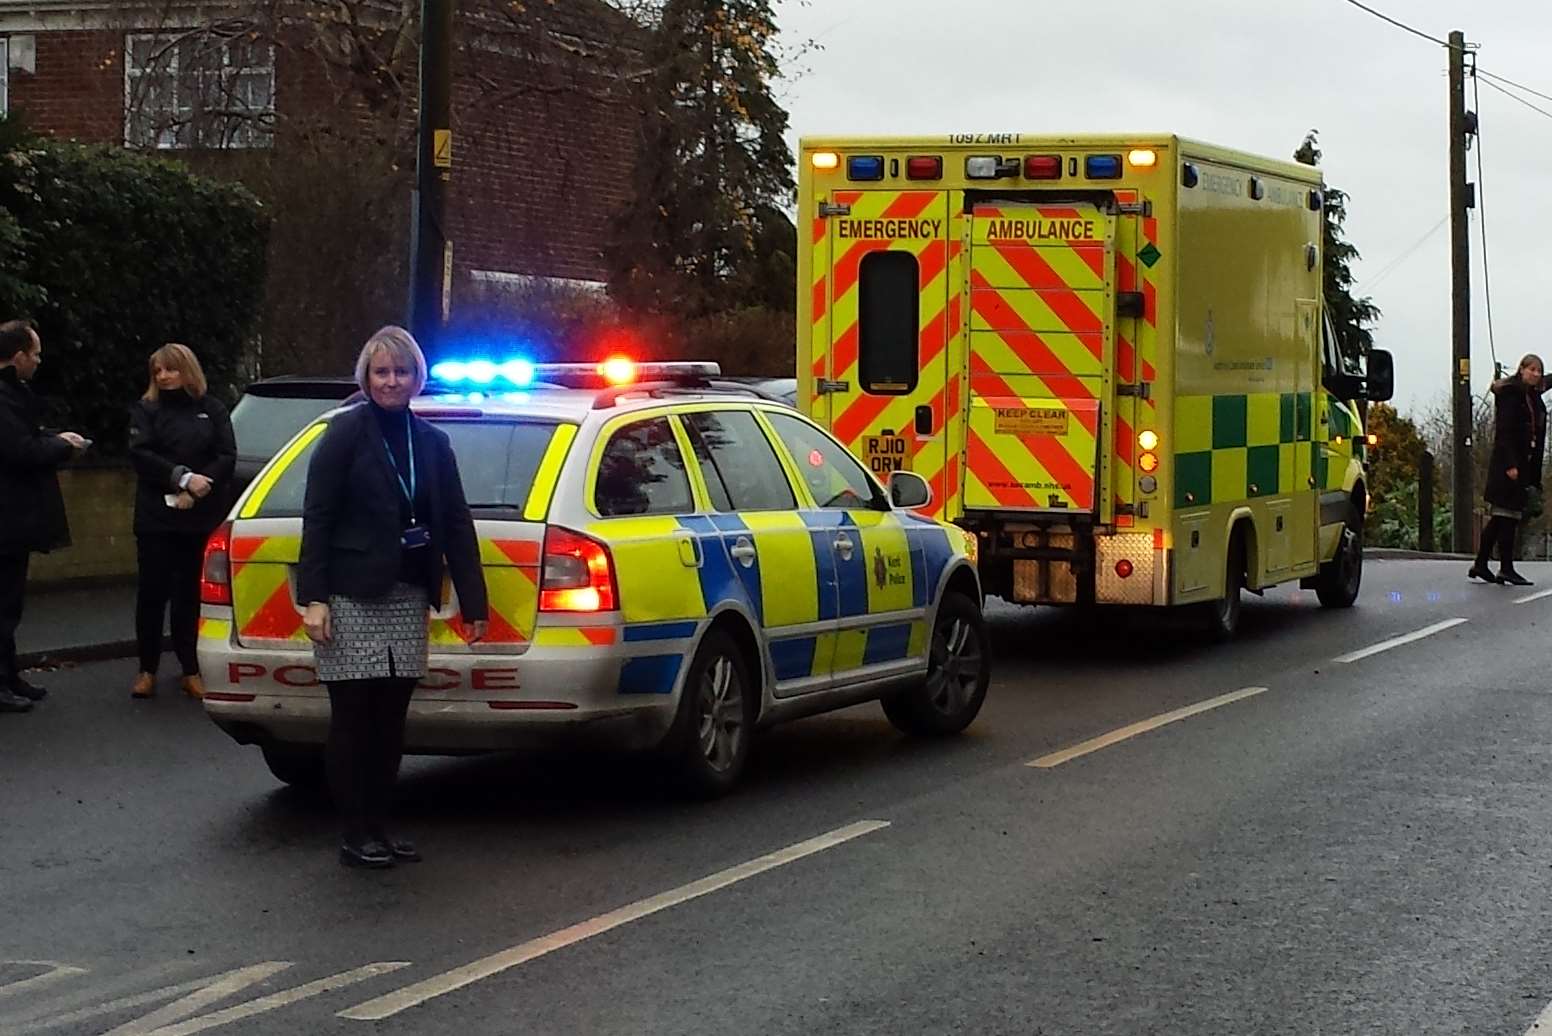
column 669, row 566
column 1108, row 356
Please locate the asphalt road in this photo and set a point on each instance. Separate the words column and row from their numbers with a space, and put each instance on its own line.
column 1361, row 847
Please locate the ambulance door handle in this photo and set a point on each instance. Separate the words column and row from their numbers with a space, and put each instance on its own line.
column 689, row 551
column 924, row 420
column 844, row 546
column 743, row 551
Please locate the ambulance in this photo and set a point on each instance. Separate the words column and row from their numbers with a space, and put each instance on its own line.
column 1108, row 355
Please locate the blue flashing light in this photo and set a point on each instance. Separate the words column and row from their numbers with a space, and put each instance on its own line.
column 1102, row 167
column 514, row 373
column 865, row 167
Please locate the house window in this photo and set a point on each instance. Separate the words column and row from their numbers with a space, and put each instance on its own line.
column 198, row 90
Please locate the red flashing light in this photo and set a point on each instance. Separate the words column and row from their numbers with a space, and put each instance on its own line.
column 618, row 370
column 215, row 577
column 924, row 167
column 1123, row 568
column 1043, row 167
column 815, row 459
column 578, row 574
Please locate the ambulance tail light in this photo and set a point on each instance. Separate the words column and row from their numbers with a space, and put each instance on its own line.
column 1124, row 569
column 924, row 167
column 215, row 577
column 1043, row 167
column 578, row 574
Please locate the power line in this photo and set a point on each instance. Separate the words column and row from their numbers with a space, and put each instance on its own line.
column 1517, row 97
column 1487, row 281
column 1400, row 25
column 1517, row 86
column 1396, row 263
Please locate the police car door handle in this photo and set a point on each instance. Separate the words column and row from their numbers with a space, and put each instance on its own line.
column 743, row 552
column 844, row 546
column 689, row 551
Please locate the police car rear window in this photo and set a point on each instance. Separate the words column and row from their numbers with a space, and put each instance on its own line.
column 497, row 461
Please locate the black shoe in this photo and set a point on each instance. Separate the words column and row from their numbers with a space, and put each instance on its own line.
column 371, row 854
column 13, row 702
column 1513, row 578
column 30, row 691
column 1478, row 572
column 403, row 850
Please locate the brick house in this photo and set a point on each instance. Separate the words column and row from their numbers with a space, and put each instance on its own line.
column 544, row 130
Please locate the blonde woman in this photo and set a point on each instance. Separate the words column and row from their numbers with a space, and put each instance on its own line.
column 384, row 517
column 181, row 442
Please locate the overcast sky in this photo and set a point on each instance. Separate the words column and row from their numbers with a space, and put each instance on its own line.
column 1251, row 76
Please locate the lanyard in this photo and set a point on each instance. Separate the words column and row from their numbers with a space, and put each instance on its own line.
column 407, row 487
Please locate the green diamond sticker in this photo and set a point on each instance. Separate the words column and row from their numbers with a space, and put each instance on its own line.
column 1149, row 255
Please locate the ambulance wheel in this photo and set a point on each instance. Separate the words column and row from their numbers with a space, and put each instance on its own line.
column 958, row 670
column 1223, row 614
column 1340, row 578
column 709, row 744
column 296, row 766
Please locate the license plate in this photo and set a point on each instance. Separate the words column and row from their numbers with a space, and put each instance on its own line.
column 886, row 453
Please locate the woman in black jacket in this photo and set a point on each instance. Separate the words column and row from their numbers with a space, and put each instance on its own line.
column 384, row 513
column 184, row 452
column 1514, row 472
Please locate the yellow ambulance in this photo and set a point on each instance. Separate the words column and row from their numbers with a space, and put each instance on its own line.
column 1108, row 355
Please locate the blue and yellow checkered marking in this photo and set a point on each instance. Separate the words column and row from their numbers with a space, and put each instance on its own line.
column 800, row 657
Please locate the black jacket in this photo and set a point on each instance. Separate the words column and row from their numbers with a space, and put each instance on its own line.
column 1519, row 440
column 351, row 527
column 170, row 438
column 32, row 509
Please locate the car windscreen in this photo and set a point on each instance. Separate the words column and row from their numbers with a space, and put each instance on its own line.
column 263, row 424
column 497, row 461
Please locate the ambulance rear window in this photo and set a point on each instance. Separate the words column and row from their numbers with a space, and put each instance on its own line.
column 889, row 306
column 497, row 461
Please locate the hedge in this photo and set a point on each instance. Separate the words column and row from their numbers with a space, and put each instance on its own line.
column 122, row 253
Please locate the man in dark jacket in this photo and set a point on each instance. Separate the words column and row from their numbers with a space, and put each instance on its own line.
column 32, row 509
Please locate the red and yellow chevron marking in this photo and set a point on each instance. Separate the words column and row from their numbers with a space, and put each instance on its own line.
column 1021, row 471
column 265, row 611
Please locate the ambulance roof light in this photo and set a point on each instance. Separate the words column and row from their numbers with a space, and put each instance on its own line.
column 1042, row 167
column 825, row 160
column 924, row 167
column 865, row 167
column 1102, row 167
column 990, row 167
column 1142, row 158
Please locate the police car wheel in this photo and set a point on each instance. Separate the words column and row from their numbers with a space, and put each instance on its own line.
column 297, row 766
column 1340, row 579
column 712, row 731
column 958, row 671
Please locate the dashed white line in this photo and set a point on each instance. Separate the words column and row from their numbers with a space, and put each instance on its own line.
column 1538, row 595
column 1067, row 755
column 56, row 972
column 439, row 985
column 1395, row 642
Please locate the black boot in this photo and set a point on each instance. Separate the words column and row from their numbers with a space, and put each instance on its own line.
column 10, row 701
column 1506, row 573
column 1479, row 569
column 30, row 691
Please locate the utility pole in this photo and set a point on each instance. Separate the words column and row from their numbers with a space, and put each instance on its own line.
column 431, row 252
column 1462, row 199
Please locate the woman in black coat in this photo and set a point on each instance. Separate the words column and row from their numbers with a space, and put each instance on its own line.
column 181, row 441
column 384, row 514
column 1519, row 439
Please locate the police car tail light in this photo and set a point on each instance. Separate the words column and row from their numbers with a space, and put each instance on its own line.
column 578, row 574
column 215, row 578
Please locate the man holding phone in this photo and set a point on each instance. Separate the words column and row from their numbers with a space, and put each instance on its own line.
column 32, row 508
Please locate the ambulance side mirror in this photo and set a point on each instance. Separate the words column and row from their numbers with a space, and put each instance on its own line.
column 908, row 490
column 1382, row 376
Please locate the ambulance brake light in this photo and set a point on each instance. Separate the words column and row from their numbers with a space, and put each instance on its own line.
column 825, row 160
column 865, row 167
column 1102, row 167
column 1043, row 167
column 924, row 167
column 215, row 577
column 578, row 574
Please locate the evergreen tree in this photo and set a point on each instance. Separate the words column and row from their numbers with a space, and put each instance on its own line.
column 705, row 231
column 1350, row 315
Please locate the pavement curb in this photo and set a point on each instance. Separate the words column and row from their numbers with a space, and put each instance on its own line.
column 77, row 653
column 1397, row 554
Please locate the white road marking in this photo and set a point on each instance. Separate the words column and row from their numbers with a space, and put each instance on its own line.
column 280, row 999
column 208, row 991
column 1543, row 1023
column 1538, row 595
column 1395, row 642
column 56, row 972
column 439, row 985
column 1131, row 730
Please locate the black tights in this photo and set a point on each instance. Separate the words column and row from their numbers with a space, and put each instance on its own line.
column 366, row 741
column 170, row 565
column 1500, row 532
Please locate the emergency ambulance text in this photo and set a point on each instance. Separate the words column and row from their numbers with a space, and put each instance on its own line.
column 1041, row 230
column 887, row 229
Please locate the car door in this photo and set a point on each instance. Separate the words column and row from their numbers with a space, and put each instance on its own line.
column 880, row 591
column 791, row 586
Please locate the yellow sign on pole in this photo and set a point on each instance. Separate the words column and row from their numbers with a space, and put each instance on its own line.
column 442, row 148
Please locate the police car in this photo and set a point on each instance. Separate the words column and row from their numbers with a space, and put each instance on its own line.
column 669, row 567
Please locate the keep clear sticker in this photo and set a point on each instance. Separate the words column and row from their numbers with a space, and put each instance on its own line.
column 1029, row 420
